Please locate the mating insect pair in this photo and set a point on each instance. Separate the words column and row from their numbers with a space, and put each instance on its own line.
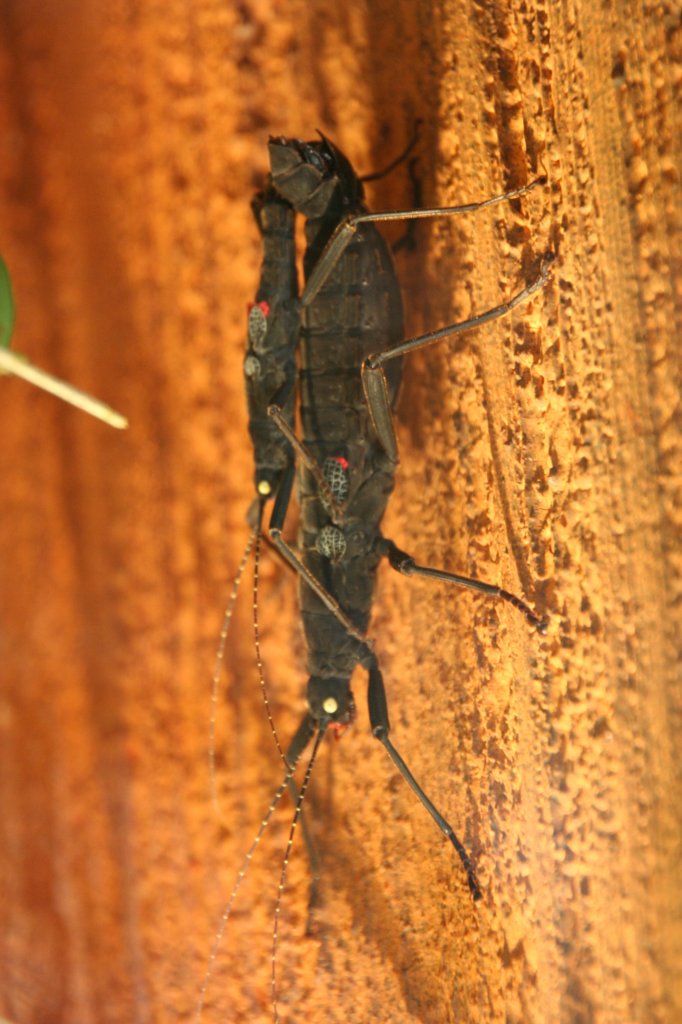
column 346, row 332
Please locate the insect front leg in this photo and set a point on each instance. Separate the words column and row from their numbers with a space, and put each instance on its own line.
column 345, row 231
column 378, row 713
column 375, row 385
column 302, row 737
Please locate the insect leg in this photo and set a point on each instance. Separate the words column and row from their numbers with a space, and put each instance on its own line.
column 378, row 714
column 256, row 633
column 405, row 564
column 373, row 377
column 289, row 555
column 303, row 736
column 309, row 461
column 344, row 233
column 285, row 864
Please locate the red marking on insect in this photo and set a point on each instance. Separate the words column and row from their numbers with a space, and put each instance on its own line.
column 263, row 306
column 338, row 729
column 344, row 463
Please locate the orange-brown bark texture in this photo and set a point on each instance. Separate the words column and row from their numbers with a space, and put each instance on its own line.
column 542, row 452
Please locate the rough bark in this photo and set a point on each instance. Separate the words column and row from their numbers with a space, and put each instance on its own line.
column 542, row 452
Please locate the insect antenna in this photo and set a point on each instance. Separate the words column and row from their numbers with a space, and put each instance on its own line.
column 256, row 631
column 219, row 660
column 397, row 161
column 253, row 544
column 285, row 865
column 240, row 878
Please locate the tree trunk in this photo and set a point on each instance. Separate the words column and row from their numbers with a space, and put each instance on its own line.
column 542, row 452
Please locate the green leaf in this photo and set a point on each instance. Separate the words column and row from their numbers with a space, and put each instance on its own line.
column 6, row 306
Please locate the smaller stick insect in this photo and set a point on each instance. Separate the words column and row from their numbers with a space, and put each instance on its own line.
column 350, row 343
column 269, row 376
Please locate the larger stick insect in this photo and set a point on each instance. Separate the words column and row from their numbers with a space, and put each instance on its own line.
column 347, row 328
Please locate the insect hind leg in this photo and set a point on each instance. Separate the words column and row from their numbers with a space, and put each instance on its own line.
column 406, row 565
column 373, row 376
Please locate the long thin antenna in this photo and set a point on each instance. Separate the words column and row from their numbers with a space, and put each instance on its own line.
column 376, row 175
column 237, row 885
column 256, row 636
column 218, row 666
column 285, row 865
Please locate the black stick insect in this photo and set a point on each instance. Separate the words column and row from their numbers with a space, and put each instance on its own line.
column 347, row 326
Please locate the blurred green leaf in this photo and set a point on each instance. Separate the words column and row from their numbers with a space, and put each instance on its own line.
column 21, row 366
column 6, row 306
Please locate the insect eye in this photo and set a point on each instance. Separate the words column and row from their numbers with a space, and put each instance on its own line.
column 315, row 159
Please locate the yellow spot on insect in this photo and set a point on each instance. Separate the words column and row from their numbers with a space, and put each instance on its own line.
column 264, row 488
column 330, row 705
